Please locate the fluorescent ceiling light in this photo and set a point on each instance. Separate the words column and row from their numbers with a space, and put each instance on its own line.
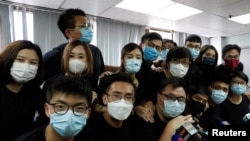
column 162, row 8
column 144, row 6
column 176, row 12
column 243, row 19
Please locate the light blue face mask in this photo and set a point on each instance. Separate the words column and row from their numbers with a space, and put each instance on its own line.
column 150, row 54
column 132, row 65
column 218, row 96
column 173, row 108
column 164, row 54
column 238, row 89
column 194, row 53
column 68, row 125
column 87, row 35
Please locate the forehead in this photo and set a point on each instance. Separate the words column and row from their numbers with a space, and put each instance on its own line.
column 122, row 87
column 28, row 53
column 78, row 49
column 220, row 84
column 189, row 43
column 210, row 51
column 232, row 52
column 201, row 96
column 178, row 91
column 69, row 99
column 155, row 42
column 135, row 51
column 80, row 19
column 237, row 78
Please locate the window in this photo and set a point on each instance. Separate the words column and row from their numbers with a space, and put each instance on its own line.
column 22, row 31
column 164, row 34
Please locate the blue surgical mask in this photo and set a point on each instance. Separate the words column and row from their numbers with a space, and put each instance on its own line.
column 173, row 108
column 87, row 35
column 194, row 53
column 164, row 54
column 132, row 65
column 68, row 125
column 238, row 89
column 150, row 54
column 218, row 96
column 209, row 61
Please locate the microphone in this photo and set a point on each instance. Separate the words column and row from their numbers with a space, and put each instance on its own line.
column 246, row 118
column 177, row 137
column 217, row 121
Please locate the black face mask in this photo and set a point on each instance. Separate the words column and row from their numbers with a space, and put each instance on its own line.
column 196, row 107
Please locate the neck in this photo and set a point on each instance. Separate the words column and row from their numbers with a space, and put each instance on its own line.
column 167, row 73
column 14, row 87
column 161, row 115
column 235, row 99
column 211, row 102
column 111, row 121
column 135, row 81
column 52, row 135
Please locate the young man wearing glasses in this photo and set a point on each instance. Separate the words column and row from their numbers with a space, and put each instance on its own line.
column 117, row 92
column 171, row 103
column 68, row 101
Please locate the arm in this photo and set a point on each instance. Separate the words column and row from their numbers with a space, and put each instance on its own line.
column 173, row 125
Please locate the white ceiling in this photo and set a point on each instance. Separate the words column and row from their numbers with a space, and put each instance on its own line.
column 212, row 22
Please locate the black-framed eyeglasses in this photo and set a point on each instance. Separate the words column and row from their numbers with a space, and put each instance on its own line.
column 85, row 25
column 173, row 98
column 62, row 109
column 118, row 97
column 154, row 46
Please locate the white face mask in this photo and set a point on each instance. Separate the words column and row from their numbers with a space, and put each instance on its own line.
column 76, row 66
column 178, row 70
column 23, row 72
column 120, row 110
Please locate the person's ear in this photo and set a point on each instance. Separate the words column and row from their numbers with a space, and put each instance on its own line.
column 46, row 108
column 89, row 113
column 104, row 99
column 68, row 33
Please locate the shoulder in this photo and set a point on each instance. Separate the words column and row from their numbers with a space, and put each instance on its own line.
column 59, row 49
column 38, row 134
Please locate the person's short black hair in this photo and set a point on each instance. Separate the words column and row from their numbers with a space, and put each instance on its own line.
column 220, row 76
column 169, row 41
column 229, row 47
column 151, row 36
column 179, row 52
column 174, row 81
column 241, row 75
column 193, row 38
column 67, row 21
column 108, row 80
column 69, row 85
column 203, row 90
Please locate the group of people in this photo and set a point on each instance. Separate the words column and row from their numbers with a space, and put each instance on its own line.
column 69, row 94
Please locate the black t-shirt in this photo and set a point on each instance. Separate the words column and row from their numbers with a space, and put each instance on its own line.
column 234, row 113
column 102, row 131
column 18, row 110
column 146, row 131
column 38, row 134
column 222, row 68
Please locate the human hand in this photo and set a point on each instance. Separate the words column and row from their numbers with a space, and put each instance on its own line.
column 104, row 74
column 145, row 113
